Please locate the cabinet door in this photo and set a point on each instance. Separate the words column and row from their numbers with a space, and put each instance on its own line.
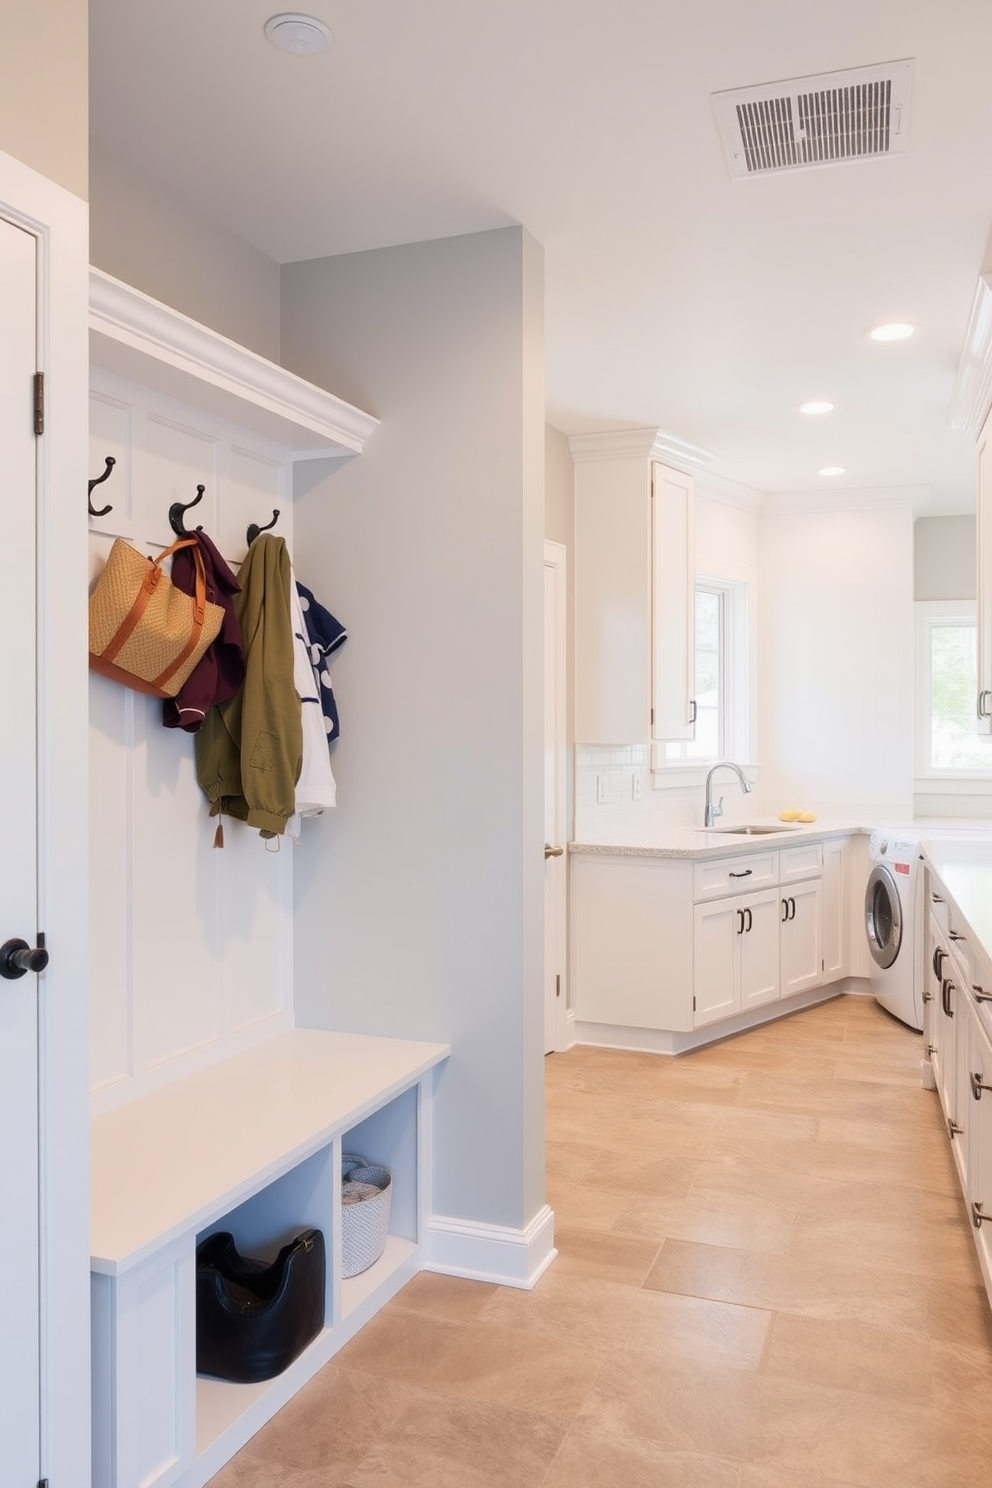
column 832, row 912
column 983, row 540
column 932, row 1012
column 717, row 932
column 944, row 1061
column 673, row 708
column 802, row 955
column 978, row 1192
column 759, row 948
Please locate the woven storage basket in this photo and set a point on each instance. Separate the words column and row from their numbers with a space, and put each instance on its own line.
column 365, row 1193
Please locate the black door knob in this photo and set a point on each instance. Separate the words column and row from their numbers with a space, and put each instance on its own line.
column 17, row 957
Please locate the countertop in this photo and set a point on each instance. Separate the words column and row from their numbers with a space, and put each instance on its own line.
column 701, row 842
column 964, row 867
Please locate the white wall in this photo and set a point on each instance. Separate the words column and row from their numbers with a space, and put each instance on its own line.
column 44, row 89
column 836, row 657
column 152, row 239
column 944, row 553
column 419, row 912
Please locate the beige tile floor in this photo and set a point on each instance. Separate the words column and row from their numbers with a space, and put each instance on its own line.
column 766, row 1279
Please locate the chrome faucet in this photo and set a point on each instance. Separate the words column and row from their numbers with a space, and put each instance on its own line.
column 712, row 812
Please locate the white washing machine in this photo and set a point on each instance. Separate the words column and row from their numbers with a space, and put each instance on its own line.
column 892, row 920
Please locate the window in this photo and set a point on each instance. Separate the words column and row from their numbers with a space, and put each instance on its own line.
column 720, row 681
column 948, row 745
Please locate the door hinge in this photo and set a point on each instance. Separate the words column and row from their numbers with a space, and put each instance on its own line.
column 693, row 1004
column 558, row 984
column 39, row 402
column 652, row 718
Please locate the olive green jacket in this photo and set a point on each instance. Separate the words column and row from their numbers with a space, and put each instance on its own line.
column 250, row 749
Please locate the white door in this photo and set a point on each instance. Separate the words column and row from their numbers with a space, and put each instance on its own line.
column 19, row 1234
column 555, row 810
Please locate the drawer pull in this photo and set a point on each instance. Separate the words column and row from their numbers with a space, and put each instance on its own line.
column 953, row 935
column 953, row 1130
column 946, row 988
column 977, row 1084
column 746, row 874
column 978, row 1213
column 980, row 995
column 928, row 996
column 931, row 1051
column 938, row 959
column 936, row 898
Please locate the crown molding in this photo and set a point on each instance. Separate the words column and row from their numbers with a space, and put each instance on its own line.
column 869, row 498
column 137, row 337
column 972, row 394
column 630, row 444
column 728, row 492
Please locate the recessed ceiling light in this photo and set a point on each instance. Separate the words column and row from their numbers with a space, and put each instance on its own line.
column 816, row 405
column 833, row 470
column 892, row 330
column 303, row 35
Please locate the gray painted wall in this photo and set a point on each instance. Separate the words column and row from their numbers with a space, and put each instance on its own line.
column 944, row 558
column 158, row 243
column 419, row 904
column 44, row 89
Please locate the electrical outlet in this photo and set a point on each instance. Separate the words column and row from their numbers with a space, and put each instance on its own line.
column 600, row 790
column 635, row 786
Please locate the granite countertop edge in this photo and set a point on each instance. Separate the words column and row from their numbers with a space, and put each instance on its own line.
column 693, row 844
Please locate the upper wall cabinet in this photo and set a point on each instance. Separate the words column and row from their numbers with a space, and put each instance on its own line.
column 983, row 543
column 634, row 590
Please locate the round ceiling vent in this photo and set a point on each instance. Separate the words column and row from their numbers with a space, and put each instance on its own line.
column 302, row 34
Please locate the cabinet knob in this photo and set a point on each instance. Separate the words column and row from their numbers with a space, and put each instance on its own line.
column 552, row 852
column 17, row 958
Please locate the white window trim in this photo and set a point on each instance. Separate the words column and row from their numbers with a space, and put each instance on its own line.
column 927, row 779
column 740, row 672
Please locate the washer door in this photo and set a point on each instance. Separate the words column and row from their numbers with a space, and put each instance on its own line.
column 883, row 916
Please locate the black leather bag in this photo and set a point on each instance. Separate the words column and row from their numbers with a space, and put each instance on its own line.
column 254, row 1318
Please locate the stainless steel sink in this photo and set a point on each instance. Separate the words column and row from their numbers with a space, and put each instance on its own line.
column 751, row 831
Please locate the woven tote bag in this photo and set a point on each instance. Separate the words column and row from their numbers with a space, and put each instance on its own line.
column 144, row 632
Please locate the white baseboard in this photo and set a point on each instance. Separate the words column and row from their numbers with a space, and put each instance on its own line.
column 496, row 1253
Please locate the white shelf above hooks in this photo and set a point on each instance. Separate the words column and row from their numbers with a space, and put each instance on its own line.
column 139, row 338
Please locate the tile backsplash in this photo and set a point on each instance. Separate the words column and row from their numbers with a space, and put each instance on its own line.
column 605, row 802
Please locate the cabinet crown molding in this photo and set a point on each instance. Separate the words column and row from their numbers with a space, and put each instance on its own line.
column 140, row 338
column 652, row 444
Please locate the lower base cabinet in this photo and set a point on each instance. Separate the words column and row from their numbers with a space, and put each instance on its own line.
column 735, row 955
column 661, row 946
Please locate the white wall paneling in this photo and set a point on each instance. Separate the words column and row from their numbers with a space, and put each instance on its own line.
column 191, row 946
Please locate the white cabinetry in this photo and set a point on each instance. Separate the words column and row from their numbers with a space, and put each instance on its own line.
column 983, row 539
column 673, row 708
column 634, row 591
column 958, row 1037
column 736, row 955
column 661, row 946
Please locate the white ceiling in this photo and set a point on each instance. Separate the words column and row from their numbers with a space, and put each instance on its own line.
column 675, row 297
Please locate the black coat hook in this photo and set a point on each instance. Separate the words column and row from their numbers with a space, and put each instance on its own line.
column 254, row 529
column 176, row 513
column 109, row 463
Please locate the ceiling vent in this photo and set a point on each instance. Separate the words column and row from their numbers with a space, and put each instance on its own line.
column 807, row 122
